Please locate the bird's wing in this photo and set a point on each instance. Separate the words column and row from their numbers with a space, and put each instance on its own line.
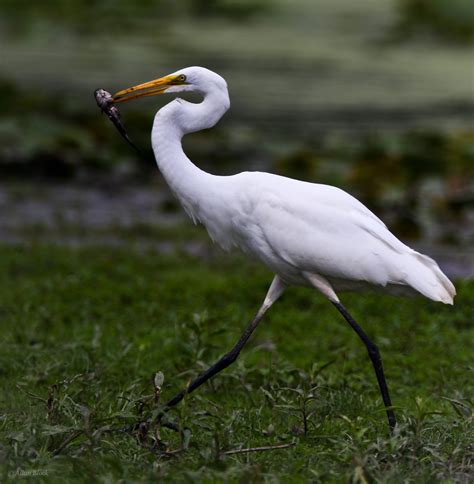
column 322, row 229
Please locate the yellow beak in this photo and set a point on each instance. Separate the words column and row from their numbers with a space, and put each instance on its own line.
column 151, row 88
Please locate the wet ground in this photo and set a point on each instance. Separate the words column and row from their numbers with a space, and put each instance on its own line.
column 143, row 217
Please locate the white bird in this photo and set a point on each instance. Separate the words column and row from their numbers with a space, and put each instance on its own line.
column 308, row 234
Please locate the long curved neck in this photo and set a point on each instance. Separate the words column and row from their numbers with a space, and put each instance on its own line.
column 190, row 184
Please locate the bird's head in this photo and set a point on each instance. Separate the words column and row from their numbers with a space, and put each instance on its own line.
column 197, row 79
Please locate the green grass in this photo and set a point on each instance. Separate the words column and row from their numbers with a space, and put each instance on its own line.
column 84, row 331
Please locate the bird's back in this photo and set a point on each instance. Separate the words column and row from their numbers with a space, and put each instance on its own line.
column 298, row 227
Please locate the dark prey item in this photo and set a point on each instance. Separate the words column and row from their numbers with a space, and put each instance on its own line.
column 106, row 103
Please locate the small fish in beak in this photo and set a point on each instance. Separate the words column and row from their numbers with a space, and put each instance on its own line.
column 105, row 102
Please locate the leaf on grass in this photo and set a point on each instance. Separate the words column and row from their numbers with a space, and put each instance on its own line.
column 159, row 379
column 17, row 436
column 55, row 429
column 270, row 430
column 460, row 408
column 186, row 436
column 267, row 394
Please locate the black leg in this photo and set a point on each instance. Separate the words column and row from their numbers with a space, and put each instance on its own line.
column 220, row 365
column 374, row 355
column 276, row 289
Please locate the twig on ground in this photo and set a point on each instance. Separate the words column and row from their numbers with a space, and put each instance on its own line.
column 170, row 453
column 258, row 449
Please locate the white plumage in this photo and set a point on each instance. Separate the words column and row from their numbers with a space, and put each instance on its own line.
column 307, row 234
column 298, row 229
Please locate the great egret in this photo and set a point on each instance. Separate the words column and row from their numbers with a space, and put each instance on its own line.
column 307, row 234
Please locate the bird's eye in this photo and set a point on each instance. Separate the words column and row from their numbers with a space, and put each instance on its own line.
column 181, row 78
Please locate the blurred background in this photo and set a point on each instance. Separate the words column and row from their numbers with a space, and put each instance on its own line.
column 373, row 96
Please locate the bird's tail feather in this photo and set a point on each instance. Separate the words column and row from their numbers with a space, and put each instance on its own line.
column 427, row 278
